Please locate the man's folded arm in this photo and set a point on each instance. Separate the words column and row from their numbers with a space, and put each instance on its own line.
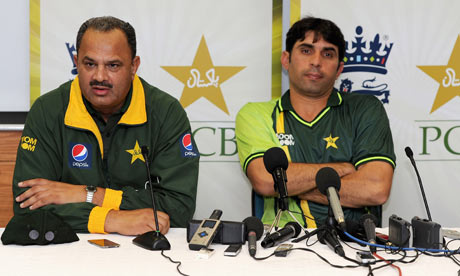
column 370, row 185
column 42, row 162
column 301, row 176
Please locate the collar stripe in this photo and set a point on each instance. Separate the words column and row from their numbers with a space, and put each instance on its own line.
column 136, row 113
column 280, row 106
column 302, row 121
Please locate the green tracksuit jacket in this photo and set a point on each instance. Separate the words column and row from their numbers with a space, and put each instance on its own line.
column 62, row 142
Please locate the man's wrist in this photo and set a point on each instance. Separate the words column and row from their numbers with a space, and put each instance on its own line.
column 98, row 196
column 110, row 221
column 344, row 168
column 90, row 191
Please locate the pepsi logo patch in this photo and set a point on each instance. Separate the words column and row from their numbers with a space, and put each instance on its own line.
column 186, row 146
column 187, row 141
column 80, row 155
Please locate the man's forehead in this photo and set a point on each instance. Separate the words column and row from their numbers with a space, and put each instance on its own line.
column 315, row 38
column 112, row 42
column 94, row 33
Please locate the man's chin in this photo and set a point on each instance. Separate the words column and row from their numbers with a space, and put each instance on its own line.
column 98, row 101
column 314, row 91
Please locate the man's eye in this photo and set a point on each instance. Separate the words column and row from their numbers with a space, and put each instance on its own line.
column 114, row 65
column 89, row 64
column 328, row 54
column 306, row 51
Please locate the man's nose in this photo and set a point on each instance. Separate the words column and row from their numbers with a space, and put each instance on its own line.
column 316, row 59
column 101, row 73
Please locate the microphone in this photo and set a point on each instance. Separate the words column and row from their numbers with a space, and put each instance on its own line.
column 410, row 154
column 290, row 230
column 329, row 237
column 152, row 240
column 328, row 183
column 276, row 163
column 354, row 229
column 368, row 222
column 254, row 230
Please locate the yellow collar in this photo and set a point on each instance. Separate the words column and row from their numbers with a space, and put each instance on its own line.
column 78, row 117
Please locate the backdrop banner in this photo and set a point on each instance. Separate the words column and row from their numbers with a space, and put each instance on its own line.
column 407, row 54
column 214, row 58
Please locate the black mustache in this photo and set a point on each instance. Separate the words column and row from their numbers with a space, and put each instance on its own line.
column 98, row 83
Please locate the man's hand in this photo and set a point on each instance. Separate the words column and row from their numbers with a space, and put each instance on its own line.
column 370, row 185
column 135, row 222
column 43, row 192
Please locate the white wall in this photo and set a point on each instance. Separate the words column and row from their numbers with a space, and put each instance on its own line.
column 14, row 56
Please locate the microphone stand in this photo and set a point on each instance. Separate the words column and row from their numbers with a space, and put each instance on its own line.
column 152, row 240
column 326, row 233
column 329, row 223
column 278, row 171
column 283, row 206
column 410, row 154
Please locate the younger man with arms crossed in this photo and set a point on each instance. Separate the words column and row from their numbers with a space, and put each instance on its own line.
column 87, row 166
column 318, row 127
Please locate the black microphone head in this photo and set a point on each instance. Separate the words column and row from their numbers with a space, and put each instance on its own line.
column 409, row 152
column 275, row 158
column 353, row 227
column 366, row 217
column 144, row 150
column 254, row 224
column 297, row 228
column 327, row 177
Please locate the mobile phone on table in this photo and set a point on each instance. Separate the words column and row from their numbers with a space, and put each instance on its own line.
column 283, row 249
column 365, row 257
column 232, row 250
column 104, row 243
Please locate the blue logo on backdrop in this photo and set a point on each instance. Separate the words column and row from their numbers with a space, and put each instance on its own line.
column 72, row 51
column 80, row 155
column 367, row 58
column 186, row 146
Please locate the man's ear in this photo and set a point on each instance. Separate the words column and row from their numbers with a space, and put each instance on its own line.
column 136, row 63
column 285, row 60
column 339, row 69
column 75, row 59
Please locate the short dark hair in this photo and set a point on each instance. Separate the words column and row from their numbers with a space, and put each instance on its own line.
column 105, row 24
column 322, row 28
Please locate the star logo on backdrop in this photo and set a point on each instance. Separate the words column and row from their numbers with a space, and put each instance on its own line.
column 331, row 141
column 445, row 75
column 136, row 153
column 202, row 78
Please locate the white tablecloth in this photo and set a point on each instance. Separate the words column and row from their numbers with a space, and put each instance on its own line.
column 81, row 258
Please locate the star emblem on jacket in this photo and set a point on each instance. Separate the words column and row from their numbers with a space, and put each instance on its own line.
column 331, row 141
column 136, row 153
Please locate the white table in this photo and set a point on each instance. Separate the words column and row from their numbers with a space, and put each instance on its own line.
column 81, row 258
